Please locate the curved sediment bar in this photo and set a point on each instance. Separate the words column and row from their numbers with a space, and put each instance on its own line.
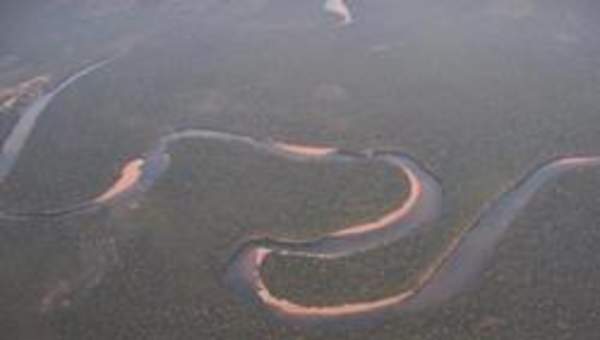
column 450, row 273
column 340, row 9
column 459, row 264
column 422, row 205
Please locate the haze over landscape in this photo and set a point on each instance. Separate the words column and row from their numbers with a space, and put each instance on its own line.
column 261, row 169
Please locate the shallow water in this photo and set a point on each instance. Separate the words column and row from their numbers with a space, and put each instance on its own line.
column 479, row 94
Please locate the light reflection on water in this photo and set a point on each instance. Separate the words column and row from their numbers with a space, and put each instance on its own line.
column 480, row 91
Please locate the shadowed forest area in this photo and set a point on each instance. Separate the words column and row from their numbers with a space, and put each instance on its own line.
column 480, row 93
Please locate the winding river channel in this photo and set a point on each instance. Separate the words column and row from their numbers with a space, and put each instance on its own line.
column 457, row 265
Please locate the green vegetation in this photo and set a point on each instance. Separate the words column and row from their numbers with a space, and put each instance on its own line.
column 480, row 102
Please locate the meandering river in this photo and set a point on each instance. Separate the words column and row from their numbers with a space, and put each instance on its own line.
column 457, row 266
